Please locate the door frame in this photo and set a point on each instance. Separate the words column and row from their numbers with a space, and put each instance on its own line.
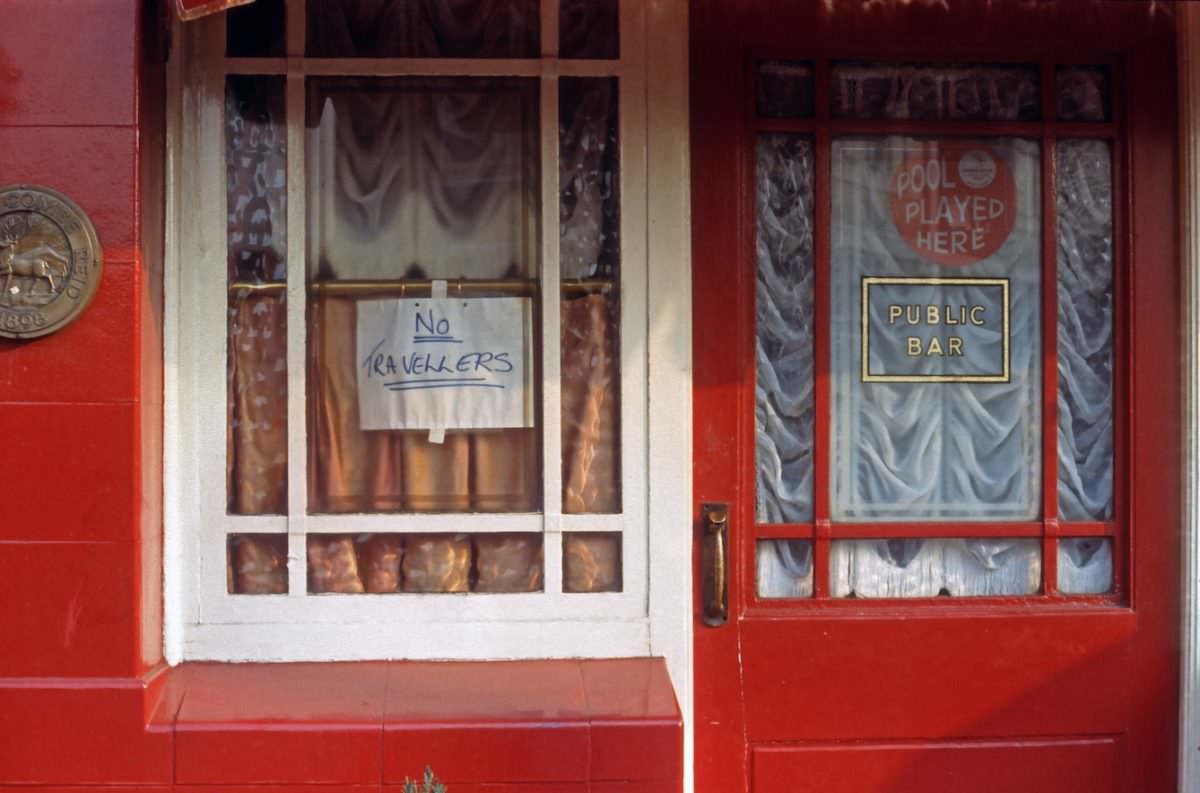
column 1189, row 209
column 717, row 660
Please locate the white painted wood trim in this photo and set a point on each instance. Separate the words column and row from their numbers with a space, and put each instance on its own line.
column 551, row 276
column 200, row 219
column 297, row 320
column 204, row 621
column 357, row 641
column 634, row 125
column 1189, row 151
column 669, row 345
column 176, row 476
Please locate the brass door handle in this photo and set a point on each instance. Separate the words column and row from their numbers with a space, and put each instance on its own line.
column 715, row 591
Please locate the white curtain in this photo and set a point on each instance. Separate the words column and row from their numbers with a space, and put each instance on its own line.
column 433, row 178
column 785, row 568
column 1085, row 330
column 933, row 450
column 927, row 568
column 783, row 415
column 1085, row 565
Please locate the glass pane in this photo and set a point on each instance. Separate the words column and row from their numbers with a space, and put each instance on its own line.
column 1085, row 330
column 592, row 562
column 975, row 92
column 923, row 568
column 784, row 568
column 1082, row 93
column 1085, row 565
column 255, row 30
column 935, row 312
column 257, row 564
column 412, row 179
column 389, row 563
column 422, row 29
column 588, row 29
column 786, row 89
column 256, row 202
column 784, row 326
column 589, row 253
column 508, row 563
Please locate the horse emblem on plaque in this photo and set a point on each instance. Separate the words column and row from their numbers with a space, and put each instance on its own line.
column 50, row 261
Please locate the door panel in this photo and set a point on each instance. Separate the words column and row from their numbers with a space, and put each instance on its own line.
column 1008, row 603
column 856, row 678
column 1082, row 766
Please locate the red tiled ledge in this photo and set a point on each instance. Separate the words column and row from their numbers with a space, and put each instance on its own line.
column 587, row 726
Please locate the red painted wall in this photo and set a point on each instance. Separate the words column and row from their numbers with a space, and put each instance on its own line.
column 81, row 410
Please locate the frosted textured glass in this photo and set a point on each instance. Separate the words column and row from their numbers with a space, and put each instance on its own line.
column 977, row 92
column 1085, row 565
column 784, row 328
column 256, row 246
column 588, row 29
column 785, row 89
column 387, row 563
column 256, row 177
column 927, row 568
column 931, row 450
column 589, row 175
column 591, row 562
column 784, row 568
column 1085, row 331
column 255, row 30
column 1082, row 93
column 256, row 564
column 590, row 250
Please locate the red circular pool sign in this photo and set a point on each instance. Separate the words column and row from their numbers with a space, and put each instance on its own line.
column 954, row 203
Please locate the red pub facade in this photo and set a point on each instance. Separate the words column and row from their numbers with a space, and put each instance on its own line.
column 600, row 395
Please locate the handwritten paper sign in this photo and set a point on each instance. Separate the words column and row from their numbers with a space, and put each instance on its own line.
column 441, row 363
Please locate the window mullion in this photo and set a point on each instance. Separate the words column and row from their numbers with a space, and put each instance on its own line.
column 550, row 326
column 632, row 286
column 203, row 104
column 1049, row 242
column 297, row 300
column 549, row 29
column 295, row 28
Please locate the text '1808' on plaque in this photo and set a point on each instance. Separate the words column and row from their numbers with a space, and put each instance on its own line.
column 935, row 330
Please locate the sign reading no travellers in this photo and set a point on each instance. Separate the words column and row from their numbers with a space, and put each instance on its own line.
column 441, row 363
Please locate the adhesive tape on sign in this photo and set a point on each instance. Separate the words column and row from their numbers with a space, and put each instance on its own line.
column 953, row 204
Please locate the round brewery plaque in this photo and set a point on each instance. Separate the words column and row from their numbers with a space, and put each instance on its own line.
column 50, row 261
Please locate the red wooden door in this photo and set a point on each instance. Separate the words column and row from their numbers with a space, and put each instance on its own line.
column 951, row 565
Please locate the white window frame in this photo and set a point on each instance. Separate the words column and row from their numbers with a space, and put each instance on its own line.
column 203, row 621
